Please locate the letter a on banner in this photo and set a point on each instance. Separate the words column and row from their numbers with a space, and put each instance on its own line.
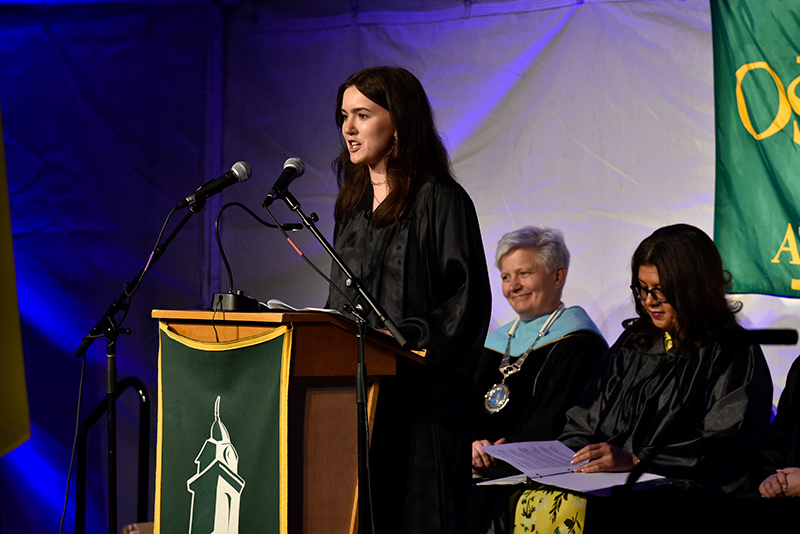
column 757, row 204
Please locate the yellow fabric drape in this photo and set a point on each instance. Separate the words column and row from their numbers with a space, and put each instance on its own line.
column 15, row 426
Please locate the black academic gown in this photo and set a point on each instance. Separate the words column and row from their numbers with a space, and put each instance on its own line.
column 783, row 449
column 697, row 418
column 559, row 371
column 429, row 273
column 550, row 380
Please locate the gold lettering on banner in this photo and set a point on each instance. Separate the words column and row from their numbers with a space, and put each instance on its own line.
column 791, row 93
column 784, row 108
column 789, row 245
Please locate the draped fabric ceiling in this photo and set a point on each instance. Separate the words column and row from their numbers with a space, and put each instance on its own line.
column 595, row 117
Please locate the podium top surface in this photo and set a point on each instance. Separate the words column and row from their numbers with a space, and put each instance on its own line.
column 297, row 318
column 252, row 317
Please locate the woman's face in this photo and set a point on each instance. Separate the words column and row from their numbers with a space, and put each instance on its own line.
column 368, row 130
column 527, row 285
column 663, row 314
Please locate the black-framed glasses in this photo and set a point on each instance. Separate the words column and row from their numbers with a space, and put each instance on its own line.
column 641, row 293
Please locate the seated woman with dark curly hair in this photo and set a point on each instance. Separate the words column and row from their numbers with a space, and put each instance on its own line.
column 666, row 392
column 686, row 404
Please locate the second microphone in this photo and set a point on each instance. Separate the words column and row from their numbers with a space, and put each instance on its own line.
column 292, row 168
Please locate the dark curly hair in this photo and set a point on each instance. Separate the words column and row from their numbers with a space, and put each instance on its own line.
column 692, row 279
column 418, row 152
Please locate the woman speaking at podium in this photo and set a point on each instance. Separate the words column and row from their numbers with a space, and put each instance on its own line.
column 410, row 233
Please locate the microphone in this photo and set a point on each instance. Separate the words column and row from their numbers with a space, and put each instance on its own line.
column 292, row 168
column 240, row 172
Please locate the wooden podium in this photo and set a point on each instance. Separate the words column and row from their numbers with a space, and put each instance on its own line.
column 323, row 462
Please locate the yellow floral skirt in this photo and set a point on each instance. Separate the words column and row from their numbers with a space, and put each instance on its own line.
column 546, row 509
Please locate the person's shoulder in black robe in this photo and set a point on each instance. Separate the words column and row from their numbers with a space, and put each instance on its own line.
column 691, row 417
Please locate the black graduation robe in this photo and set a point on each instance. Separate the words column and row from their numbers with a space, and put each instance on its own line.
column 560, row 370
column 429, row 273
column 696, row 418
column 783, row 449
column 552, row 377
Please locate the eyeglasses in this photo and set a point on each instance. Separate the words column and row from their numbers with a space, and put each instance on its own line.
column 641, row 293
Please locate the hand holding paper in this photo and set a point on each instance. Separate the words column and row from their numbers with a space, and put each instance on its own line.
column 604, row 458
column 549, row 462
column 535, row 458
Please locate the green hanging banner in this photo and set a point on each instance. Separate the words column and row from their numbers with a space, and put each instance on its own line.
column 757, row 204
column 221, row 462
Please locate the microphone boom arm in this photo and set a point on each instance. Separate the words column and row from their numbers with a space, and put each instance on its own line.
column 352, row 280
column 107, row 326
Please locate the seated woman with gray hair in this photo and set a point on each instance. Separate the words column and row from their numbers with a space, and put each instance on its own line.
column 532, row 369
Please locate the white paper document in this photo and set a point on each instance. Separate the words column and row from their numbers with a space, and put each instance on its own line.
column 505, row 481
column 548, row 462
column 275, row 304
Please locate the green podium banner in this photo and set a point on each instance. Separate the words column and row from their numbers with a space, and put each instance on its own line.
column 221, row 459
column 757, row 203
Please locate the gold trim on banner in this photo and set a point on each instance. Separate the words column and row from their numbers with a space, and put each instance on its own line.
column 213, row 346
column 159, row 443
column 283, row 447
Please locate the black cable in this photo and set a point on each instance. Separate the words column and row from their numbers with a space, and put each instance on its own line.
column 131, row 290
column 213, row 317
column 309, row 262
column 281, row 227
column 74, row 443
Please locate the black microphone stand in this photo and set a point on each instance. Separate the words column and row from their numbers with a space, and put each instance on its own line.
column 108, row 327
column 365, row 523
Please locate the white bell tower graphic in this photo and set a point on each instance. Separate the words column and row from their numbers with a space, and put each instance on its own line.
column 217, row 487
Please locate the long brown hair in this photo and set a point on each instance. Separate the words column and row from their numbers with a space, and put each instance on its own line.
column 418, row 151
column 692, row 279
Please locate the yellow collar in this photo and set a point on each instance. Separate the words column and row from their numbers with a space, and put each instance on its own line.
column 667, row 341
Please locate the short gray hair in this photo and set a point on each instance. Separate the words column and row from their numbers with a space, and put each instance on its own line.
column 547, row 242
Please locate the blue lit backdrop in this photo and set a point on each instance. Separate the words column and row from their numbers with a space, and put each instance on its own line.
column 595, row 116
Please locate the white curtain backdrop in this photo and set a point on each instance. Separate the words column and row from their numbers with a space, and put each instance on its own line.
column 593, row 117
